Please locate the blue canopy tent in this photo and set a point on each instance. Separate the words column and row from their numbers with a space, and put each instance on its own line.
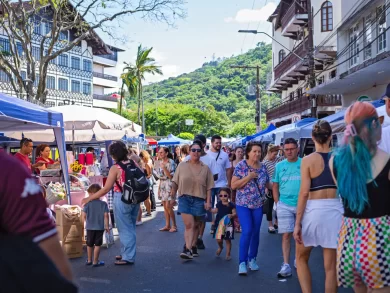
column 270, row 128
column 172, row 140
column 19, row 115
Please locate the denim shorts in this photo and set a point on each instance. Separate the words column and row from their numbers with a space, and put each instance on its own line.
column 191, row 205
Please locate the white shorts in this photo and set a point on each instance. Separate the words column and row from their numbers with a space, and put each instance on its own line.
column 286, row 217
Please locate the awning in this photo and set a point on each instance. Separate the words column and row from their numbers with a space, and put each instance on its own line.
column 270, row 128
column 151, row 141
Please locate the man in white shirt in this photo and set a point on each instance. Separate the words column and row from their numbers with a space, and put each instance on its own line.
column 385, row 141
column 223, row 166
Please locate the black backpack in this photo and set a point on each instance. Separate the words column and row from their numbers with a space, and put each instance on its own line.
column 136, row 186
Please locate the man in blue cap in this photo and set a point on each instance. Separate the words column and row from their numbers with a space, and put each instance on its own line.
column 385, row 141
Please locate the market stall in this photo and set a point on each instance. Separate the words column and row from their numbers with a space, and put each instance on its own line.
column 172, row 140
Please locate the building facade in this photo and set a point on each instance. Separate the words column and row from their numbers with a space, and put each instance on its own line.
column 290, row 49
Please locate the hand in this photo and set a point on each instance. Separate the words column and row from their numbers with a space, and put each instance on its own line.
column 107, row 230
column 84, row 201
column 207, row 206
column 40, row 163
column 253, row 175
column 298, row 234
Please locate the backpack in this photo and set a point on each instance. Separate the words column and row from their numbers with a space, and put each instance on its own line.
column 136, row 186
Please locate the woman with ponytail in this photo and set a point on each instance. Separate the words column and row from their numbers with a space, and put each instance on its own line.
column 362, row 173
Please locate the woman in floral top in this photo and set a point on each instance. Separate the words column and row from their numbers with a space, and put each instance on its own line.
column 250, row 179
column 165, row 172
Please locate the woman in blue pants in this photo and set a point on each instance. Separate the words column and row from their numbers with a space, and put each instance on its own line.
column 250, row 179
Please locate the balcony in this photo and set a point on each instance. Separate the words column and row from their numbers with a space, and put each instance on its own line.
column 105, row 98
column 105, row 101
column 302, row 104
column 109, row 60
column 105, row 76
column 105, row 80
column 295, row 17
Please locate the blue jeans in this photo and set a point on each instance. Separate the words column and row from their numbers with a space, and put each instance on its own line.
column 250, row 220
column 125, row 218
column 214, row 196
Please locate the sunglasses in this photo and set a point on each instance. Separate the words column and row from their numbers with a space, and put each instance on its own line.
column 223, row 195
column 196, row 150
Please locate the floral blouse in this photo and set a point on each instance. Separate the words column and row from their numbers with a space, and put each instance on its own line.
column 171, row 166
column 248, row 196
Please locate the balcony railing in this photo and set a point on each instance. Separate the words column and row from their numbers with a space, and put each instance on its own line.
column 105, row 76
column 294, row 9
column 113, row 57
column 291, row 59
column 301, row 104
column 105, row 98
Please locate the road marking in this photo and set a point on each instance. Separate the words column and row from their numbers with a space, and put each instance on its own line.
column 93, row 280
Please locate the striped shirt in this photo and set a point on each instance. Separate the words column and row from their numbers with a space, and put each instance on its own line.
column 270, row 165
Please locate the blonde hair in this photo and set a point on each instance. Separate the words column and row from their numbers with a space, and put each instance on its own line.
column 144, row 155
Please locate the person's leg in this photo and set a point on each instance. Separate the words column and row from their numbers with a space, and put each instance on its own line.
column 228, row 248
column 302, row 255
column 257, row 217
column 214, row 200
column 269, row 213
column 171, row 213
column 245, row 216
column 196, row 232
column 330, row 270
column 166, row 215
column 96, row 253
column 286, row 247
column 139, row 217
column 220, row 247
column 89, row 253
column 152, row 200
column 189, row 224
column 148, row 206
column 202, row 227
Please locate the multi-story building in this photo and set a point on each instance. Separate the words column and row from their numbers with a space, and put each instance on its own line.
column 364, row 52
column 290, row 49
column 73, row 77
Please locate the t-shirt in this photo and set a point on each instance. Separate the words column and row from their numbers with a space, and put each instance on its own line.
column 191, row 183
column 251, row 195
column 22, row 206
column 223, row 210
column 385, row 141
column 208, row 160
column 288, row 176
column 40, row 159
column 95, row 210
column 222, row 164
column 25, row 160
column 270, row 165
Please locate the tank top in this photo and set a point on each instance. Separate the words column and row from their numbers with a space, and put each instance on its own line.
column 378, row 197
column 325, row 179
column 121, row 179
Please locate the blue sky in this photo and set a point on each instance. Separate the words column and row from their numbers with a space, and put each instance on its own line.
column 210, row 28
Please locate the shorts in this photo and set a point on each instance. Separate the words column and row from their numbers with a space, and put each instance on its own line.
column 286, row 217
column 95, row 238
column 192, row 205
column 214, row 196
column 363, row 253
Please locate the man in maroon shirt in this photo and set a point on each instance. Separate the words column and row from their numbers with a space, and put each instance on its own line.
column 26, row 148
column 23, row 212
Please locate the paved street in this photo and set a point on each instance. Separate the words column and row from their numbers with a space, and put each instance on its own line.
column 159, row 269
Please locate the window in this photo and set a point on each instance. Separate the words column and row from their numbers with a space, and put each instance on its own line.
column 35, row 53
column 332, row 74
column 63, row 84
column 87, row 65
column 4, row 76
column 354, row 45
column 37, row 27
column 24, row 75
column 327, row 17
column 381, row 16
column 75, row 62
column 4, row 45
column 86, row 88
column 282, row 55
column 19, row 48
column 36, row 81
column 75, row 86
column 367, row 36
column 50, row 82
column 63, row 36
column 48, row 27
column 63, row 60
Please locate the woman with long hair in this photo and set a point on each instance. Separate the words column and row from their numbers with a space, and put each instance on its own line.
column 147, row 166
column 184, row 151
column 42, row 154
column 250, row 179
column 193, row 180
column 319, row 211
column 237, row 156
column 165, row 172
column 270, row 161
column 362, row 174
column 177, row 156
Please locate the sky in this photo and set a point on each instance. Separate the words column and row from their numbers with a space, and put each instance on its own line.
column 210, row 29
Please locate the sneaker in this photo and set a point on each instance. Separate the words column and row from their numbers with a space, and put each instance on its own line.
column 242, row 270
column 295, row 263
column 271, row 230
column 212, row 229
column 253, row 265
column 138, row 223
column 195, row 251
column 186, row 254
column 200, row 244
column 285, row 271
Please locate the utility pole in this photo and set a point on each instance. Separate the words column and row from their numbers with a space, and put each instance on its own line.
column 312, row 76
column 258, row 100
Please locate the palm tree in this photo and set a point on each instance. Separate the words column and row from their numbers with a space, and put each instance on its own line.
column 130, row 80
column 143, row 65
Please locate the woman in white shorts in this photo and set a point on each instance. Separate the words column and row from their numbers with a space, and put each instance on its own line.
column 319, row 211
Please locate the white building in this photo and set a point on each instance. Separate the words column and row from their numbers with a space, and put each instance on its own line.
column 364, row 53
column 290, row 62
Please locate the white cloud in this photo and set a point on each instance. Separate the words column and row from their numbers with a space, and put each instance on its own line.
column 168, row 71
column 255, row 15
column 159, row 56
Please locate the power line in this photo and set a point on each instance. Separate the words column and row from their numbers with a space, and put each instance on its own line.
column 243, row 42
column 258, row 25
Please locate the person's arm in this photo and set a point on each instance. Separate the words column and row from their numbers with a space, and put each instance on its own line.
column 38, row 164
column 83, row 216
column 106, row 226
column 111, row 179
column 275, row 192
column 214, row 211
column 166, row 171
column 302, row 199
column 173, row 189
column 238, row 183
column 148, row 171
column 229, row 172
column 233, row 214
column 208, row 200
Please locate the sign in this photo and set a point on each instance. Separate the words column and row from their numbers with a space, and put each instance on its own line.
column 295, row 118
column 364, row 99
column 189, row 122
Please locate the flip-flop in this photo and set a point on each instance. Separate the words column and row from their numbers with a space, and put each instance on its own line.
column 173, row 230
column 118, row 257
column 228, row 258
column 88, row 263
column 123, row 263
column 164, row 229
column 98, row 264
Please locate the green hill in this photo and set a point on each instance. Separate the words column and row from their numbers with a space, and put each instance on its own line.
column 215, row 96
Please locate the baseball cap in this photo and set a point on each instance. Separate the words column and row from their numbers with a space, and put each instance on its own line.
column 200, row 137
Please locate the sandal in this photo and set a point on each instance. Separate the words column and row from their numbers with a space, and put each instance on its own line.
column 173, row 230
column 88, row 263
column 271, row 230
column 118, row 257
column 219, row 251
column 123, row 263
column 98, row 264
column 165, row 229
column 228, row 258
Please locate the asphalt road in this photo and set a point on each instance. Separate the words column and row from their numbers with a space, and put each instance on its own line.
column 159, row 269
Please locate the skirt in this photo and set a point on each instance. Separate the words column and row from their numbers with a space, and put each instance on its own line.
column 321, row 222
column 363, row 253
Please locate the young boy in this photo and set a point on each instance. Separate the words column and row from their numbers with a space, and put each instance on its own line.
column 95, row 213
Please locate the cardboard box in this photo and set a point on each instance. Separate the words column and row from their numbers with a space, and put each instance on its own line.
column 73, row 249
column 73, row 233
column 62, row 220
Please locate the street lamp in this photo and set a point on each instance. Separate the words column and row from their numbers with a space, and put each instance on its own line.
column 257, row 32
